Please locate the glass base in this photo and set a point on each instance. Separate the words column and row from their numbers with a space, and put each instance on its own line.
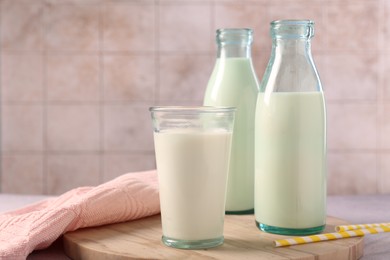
column 290, row 231
column 192, row 244
column 240, row 212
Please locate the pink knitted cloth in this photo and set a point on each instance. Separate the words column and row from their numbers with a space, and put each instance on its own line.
column 128, row 197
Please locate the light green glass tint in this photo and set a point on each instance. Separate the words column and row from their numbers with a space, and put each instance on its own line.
column 199, row 118
column 233, row 82
column 234, row 42
column 293, row 29
column 291, row 66
column 290, row 136
column 192, row 146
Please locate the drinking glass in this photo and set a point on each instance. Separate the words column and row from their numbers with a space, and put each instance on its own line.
column 192, row 146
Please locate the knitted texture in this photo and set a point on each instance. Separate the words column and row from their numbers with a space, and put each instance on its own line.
column 128, row 197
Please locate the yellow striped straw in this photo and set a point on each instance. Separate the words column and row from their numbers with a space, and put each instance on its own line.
column 360, row 226
column 330, row 236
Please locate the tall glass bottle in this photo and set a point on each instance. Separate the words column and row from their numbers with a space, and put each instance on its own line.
column 290, row 137
column 233, row 83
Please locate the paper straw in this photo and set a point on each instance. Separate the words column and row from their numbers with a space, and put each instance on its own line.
column 330, row 236
column 360, row 226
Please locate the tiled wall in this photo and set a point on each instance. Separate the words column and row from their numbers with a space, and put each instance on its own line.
column 77, row 78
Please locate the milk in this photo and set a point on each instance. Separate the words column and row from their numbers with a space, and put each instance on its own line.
column 290, row 174
column 192, row 171
column 233, row 83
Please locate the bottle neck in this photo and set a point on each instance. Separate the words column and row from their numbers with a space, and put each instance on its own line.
column 234, row 51
column 292, row 37
column 291, row 67
column 234, row 43
column 291, row 47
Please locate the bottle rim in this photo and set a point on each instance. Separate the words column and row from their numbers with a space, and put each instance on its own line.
column 192, row 109
column 234, row 36
column 292, row 29
column 235, row 30
column 293, row 22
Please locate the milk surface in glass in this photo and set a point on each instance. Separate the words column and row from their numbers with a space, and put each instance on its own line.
column 290, row 159
column 192, row 167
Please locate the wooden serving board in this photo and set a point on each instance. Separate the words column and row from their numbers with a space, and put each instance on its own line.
column 141, row 239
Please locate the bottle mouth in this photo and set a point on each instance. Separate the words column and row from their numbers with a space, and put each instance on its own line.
column 234, row 36
column 292, row 29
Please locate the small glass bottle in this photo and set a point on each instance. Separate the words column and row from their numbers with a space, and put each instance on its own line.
column 233, row 83
column 290, row 137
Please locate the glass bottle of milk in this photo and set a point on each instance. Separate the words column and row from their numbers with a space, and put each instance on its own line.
column 290, row 136
column 233, row 83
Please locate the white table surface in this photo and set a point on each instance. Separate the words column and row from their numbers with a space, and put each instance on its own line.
column 355, row 209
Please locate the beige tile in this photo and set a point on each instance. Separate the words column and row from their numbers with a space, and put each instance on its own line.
column 384, row 126
column 184, row 77
column 73, row 77
column 179, row 103
column 351, row 77
column 73, row 1
column 22, row 128
column 73, row 128
column 118, row 164
column 260, row 62
column 347, row 30
column 7, row 2
column 22, row 77
column 129, row 77
column 72, row 27
column 267, row 2
column 127, row 128
column 352, row 173
column 384, row 176
column 69, row 171
column 129, row 26
column 22, row 173
column 351, row 126
column 320, row 62
column 185, row 27
column 385, row 94
column 385, row 26
column 244, row 15
column 21, row 26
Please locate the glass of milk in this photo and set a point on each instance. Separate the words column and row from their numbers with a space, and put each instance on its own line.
column 192, row 146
